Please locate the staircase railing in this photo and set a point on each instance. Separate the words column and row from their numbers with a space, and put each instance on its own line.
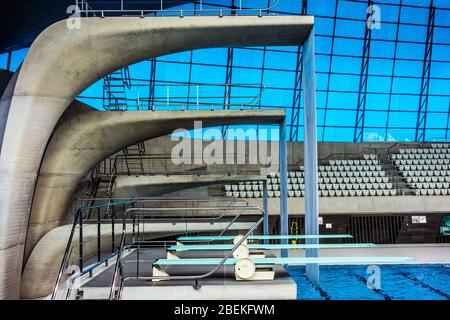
column 165, row 7
column 78, row 219
column 114, row 90
column 81, row 219
column 118, row 280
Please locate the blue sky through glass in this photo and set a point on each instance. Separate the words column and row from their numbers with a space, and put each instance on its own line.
column 393, row 83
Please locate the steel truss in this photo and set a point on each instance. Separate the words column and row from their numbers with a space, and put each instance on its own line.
column 425, row 81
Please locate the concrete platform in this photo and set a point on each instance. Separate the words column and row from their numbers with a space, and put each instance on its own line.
column 221, row 286
column 41, row 270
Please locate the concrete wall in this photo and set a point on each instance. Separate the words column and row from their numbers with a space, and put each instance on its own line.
column 156, row 185
column 62, row 62
column 87, row 137
column 6, row 92
column 363, row 205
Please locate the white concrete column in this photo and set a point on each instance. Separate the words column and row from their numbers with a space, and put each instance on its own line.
column 284, row 217
column 310, row 157
column 266, row 212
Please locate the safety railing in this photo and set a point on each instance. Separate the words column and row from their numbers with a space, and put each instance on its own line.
column 118, row 280
column 82, row 218
column 143, row 94
column 147, row 164
column 169, row 7
column 78, row 220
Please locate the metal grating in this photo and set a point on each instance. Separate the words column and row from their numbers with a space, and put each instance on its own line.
column 374, row 229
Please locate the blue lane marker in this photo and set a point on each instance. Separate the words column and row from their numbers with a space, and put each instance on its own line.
column 378, row 291
column 424, row 285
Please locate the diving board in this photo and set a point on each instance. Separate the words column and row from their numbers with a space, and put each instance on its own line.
column 271, row 246
column 280, row 261
column 264, row 237
column 257, row 268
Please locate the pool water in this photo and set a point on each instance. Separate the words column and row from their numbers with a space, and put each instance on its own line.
column 395, row 282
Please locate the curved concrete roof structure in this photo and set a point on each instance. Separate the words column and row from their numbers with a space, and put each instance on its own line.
column 62, row 62
column 155, row 185
column 41, row 270
column 88, row 137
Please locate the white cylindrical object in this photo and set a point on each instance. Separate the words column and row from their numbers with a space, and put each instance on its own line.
column 238, row 238
column 241, row 252
column 245, row 269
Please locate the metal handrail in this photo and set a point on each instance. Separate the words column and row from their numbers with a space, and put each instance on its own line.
column 232, row 201
column 118, row 266
column 68, row 250
column 86, row 9
column 175, row 199
column 179, row 101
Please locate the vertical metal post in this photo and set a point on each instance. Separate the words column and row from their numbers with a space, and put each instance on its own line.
column 394, row 60
column 422, row 111
column 112, row 229
column 8, row 65
column 310, row 155
column 80, row 243
column 358, row 134
column 448, row 120
column 98, row 235
column 329, row 70
column 296, row 101
column 266, row 212
column 284, row 219
column 190, row 71
column 228, row 75
column 151, row 88
column 138, row 245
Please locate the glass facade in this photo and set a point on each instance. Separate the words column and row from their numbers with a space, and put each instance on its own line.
column 390, row 82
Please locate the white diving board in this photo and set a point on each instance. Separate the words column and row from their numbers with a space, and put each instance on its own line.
column 282, row 261
column 272, row 246
column 262, row 237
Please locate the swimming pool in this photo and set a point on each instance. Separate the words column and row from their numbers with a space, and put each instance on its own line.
column 396, row 282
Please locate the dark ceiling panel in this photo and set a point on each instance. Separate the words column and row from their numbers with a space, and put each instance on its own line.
column 21, row 21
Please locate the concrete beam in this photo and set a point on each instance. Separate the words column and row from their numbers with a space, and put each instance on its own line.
column 156, row 185
column 364, row 205
column 62, row 62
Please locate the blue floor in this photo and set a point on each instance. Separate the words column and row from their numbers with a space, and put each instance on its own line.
column 397, row 282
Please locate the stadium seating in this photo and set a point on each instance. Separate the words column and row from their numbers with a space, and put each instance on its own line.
column 338, row 178
column 426, row 170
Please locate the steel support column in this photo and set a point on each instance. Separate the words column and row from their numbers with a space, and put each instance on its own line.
column 151, row 88
column 358, row 135
column 310, row 155
column 448, row 120
column 330, row 65
column 228, row 75
column 393, row 71
column 425, row 82
column 266, row 212
column 8, row 63
column 284, row 217
column 296, row 100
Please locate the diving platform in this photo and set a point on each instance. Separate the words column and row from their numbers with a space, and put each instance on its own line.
column 264, row 237
column 272, row 246
column 282, row 261
column 222, row 285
